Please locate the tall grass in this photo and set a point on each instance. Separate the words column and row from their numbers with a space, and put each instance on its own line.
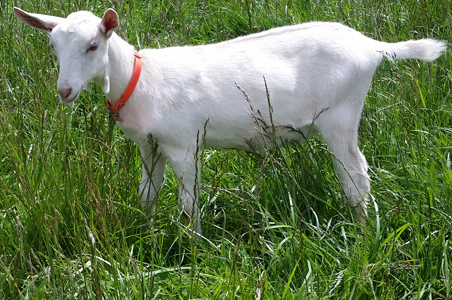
column 275, row 224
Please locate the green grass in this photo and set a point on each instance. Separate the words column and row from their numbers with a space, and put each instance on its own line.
column 70, row 227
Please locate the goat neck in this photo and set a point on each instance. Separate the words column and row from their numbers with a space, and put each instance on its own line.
column 119, row 69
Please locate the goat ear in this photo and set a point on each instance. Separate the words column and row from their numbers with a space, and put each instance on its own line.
column 110, row 22
column 42, row 22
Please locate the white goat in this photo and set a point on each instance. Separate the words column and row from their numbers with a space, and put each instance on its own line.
column 317, row 77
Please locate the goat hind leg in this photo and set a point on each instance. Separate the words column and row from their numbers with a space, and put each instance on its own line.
column 350, row 163
column 352, row 172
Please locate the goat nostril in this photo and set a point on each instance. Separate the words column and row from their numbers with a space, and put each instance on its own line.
column 64, row 93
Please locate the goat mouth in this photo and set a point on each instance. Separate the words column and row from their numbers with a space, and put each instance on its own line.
column 70, row 100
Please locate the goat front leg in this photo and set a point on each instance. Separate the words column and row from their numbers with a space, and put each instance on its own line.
column 152, row 178
column 186, row 167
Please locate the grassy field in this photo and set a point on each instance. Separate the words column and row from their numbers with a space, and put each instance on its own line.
column 275, row 224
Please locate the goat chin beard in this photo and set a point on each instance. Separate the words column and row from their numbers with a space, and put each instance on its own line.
column 87, row 87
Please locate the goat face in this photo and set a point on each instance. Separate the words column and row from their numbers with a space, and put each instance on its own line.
column 81, row 44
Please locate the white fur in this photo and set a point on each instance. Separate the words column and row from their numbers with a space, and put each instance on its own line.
column 317, row 75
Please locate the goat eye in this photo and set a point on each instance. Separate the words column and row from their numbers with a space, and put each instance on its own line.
column 92, row 48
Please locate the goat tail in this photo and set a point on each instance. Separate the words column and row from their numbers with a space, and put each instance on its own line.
column 425, row 49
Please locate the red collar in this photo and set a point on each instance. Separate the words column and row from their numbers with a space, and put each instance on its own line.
column 114, row 110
